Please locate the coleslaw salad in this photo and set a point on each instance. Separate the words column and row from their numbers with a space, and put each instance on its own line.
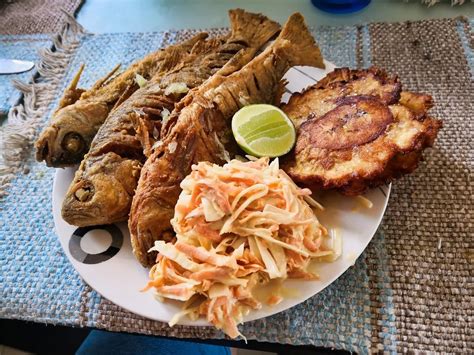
column 238, row 226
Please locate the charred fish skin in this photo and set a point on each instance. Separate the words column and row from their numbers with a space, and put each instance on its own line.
column 200, row 130
column 118, row 135
column 80, row 113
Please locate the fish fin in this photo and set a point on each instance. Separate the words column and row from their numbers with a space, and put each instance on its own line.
column 174, row 61
column 242, row 57
column 145, row 128
column 194, row 39
column 77, row 77
column 205, row 46
column 280, row 91
column 102, row 81
column 131, row 88
column 298, row 43
column 253, row 29
column 72, row 93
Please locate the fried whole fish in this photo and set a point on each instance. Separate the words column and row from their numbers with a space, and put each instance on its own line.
column 199, row 131
column 80, row 113
column 357, row 129
column 103, row 186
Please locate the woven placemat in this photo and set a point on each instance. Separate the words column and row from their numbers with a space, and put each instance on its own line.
column 35, row 16
column 412, row 289
column 429, row 220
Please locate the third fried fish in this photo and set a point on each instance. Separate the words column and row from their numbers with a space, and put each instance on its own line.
column 199, row 130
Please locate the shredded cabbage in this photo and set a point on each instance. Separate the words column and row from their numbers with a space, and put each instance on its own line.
column 140, row 80
column 176, row 88
column 212, row 211
column 238, row 225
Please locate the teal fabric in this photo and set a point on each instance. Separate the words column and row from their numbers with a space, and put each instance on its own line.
column 105, row 343
column 22, row 47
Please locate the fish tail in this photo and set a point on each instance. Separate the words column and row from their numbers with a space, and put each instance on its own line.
column 253, row 29
column 298, row 43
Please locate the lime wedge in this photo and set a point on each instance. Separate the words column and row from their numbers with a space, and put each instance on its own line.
column 263, row 130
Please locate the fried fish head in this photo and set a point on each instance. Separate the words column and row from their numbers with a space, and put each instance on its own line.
column 68, row 138
column 152, row 209
column 102, row 191
column 355, row 130
column 196, row 137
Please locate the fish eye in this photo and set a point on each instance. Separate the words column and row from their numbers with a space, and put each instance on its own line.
column 73, row 143
column 84, row 193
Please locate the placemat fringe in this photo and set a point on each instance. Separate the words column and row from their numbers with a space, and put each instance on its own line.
column 17, row 135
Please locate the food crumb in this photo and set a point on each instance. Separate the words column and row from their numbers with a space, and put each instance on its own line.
column 172, row 147
column 352, row 257
column 140, row 80
column 439, row 243
column 274, row 300
column 176, row 88
column 364, row 201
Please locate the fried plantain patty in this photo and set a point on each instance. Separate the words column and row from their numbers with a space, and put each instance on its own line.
column 357, row 129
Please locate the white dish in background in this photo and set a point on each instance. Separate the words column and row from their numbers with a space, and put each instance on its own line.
column 106, row 262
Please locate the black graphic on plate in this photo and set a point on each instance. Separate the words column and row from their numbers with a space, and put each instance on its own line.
column 86, row 258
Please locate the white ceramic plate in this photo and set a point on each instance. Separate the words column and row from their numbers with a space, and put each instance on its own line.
column 103, row 255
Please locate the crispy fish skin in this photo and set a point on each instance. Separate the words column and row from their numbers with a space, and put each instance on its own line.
column 200, row 131
column 68, row 136
column 103, row 186
column 240, row 48
column 357, row 129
